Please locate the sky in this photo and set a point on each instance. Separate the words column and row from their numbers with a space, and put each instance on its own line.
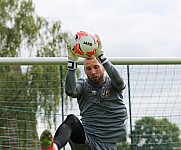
column 128, row 28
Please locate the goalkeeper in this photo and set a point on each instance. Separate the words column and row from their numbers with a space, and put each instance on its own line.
column 101, row 105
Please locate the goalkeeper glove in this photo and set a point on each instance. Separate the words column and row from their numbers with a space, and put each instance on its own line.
column 72, row 59
column 99, row 53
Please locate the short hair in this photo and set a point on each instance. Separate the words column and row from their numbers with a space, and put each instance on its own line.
column 89, row 58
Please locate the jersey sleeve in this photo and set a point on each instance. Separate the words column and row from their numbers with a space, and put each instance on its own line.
column 72, row 87
column 117, row 81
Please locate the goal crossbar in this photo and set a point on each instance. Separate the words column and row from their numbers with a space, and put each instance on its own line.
column 63, row 60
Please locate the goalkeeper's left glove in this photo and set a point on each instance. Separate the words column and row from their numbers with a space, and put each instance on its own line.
column 99, row 53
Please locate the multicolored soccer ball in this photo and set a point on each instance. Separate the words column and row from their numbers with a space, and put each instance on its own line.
column 84, row 44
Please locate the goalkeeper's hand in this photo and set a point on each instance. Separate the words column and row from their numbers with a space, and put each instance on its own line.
column 99, row 53
column 72, row 59
column 71, row 55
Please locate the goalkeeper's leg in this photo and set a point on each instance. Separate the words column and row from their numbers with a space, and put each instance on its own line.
column 70, row 129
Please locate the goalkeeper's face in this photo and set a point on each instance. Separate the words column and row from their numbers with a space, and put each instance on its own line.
column 94, row 70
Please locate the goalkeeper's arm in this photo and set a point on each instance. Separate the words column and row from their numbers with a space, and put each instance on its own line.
column 72, row 89
column 116, row 79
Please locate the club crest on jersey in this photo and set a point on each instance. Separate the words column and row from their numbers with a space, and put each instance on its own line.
column 105, row 93
column 94, row 92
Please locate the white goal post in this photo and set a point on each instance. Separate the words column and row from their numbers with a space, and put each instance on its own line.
column 114, row 60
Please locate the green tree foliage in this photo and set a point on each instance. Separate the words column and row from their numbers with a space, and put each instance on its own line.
column 17, row 26
column 123, row 146
column 157, row 134
column 22, row 31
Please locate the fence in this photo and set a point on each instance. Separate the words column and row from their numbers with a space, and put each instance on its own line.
column 152, row 97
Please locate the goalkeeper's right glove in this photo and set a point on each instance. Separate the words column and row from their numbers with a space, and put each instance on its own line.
column 72, row 59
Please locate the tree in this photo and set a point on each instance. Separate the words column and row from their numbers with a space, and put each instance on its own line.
column 157, row 134
column 22, row 30
column 123, row 146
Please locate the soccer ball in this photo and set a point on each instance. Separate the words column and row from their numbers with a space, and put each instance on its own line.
column 84, row 44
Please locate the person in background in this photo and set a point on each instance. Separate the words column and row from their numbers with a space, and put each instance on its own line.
column 103, row 112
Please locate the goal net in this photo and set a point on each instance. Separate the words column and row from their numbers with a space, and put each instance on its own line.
column 32, row 98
